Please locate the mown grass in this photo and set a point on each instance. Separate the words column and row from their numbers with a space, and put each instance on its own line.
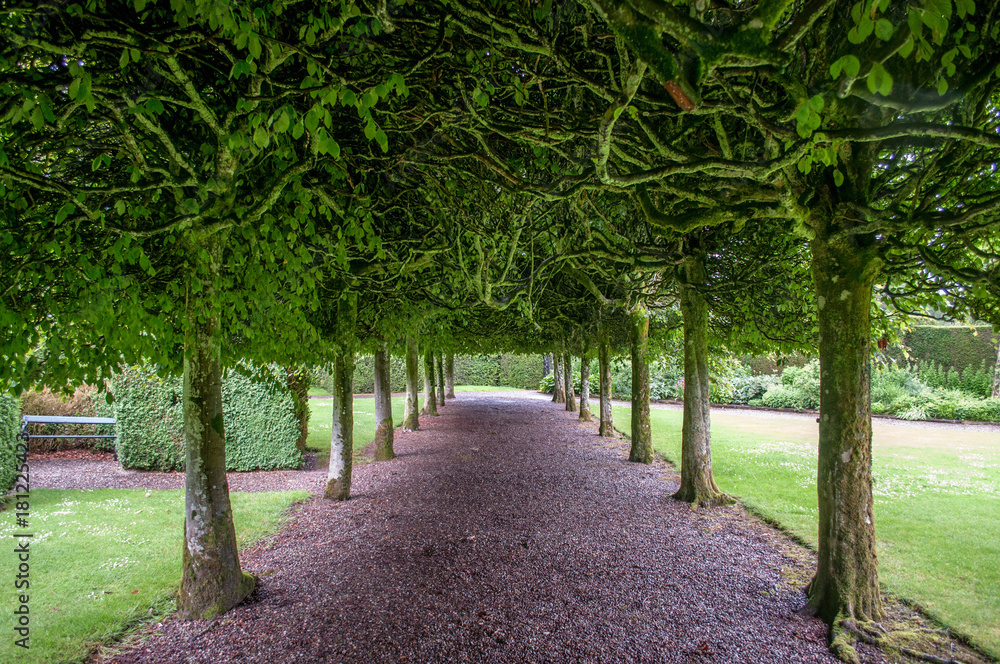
column 937, row 501
column 103, row 560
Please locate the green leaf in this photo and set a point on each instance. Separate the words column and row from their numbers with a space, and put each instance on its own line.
column 253, row 43
column 261, row 137
column 64, row 212
column 879, row 80
column 298, row 130
column 283, row 121
column 848, row 64
column 816, row 103
column 838, row 177
column 74, row 89
column 382, row 140
column 884, row 29
column 123, row 61
column 906, row 48
column 942, row 86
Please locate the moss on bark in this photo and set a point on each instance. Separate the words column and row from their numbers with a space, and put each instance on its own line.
column 607, row 427
column 449, row 375
column 211, row 579
column 642, row 440
column 383, row 407
column 411, row 418
column 430, row 399
column 338, row 480
column 568, row 382
column 846, row 582
column 439, row 361
column 585, row 387
column 697, row 482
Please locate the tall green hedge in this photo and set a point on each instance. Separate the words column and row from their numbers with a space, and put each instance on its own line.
column 522, row 371
column 10, row 425
column 953, row 347
column 261, row 427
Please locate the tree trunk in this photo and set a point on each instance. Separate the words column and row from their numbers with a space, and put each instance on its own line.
column 607, row 427
column 585, row 385
column 558, row 388
column 697, row 482
column 546, row 364
column 338, row 479
column 411, row 420
column 996, row 373
column 449, row 375
column 212, row 581
column 846, row 582
column 642, row 442
column 568, row 382
column 383, row 407
column 298, row 381
column 430, row 400
column 440, row 379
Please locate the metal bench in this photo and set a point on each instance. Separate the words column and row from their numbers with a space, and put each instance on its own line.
column 46, row 419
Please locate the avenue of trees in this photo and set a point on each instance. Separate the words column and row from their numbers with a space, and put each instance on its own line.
column 198, row 183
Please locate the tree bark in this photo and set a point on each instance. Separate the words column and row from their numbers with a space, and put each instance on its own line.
column 558, row 388
column 607, row 427
column 440, row 379
column 585, row 385
column 449, row 375
column 383, row 407
column 846, row 582
column 212, row 581
column 996, row 373
column 697, row 482
column 298, row 381
column 568, row 382
column 642, row 441
column 430, row 400
column 411, row 419
column 338, row 480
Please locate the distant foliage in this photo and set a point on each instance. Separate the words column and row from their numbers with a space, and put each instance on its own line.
column 953, row 347
column 82, row 403
column 547, row 384
column 260, row 423
column 10, row 425
column 976, row 381
column 523, row 371
column 799, row 388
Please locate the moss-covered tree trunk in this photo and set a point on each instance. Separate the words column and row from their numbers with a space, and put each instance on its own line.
column 449, row 375
column 607, row 427
column 996, row 374
column 338, row 479
column 558, row 388
column 585, row 385
column 411, row 419
column 697, row 482
column 383, row 407
column 846, row 582
column 568, row 382
column 642, row 441
column 440, row 379
column 298, row 381
column 430, row 399
column 212, row 581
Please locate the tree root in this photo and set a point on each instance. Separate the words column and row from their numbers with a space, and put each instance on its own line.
column 873, row 634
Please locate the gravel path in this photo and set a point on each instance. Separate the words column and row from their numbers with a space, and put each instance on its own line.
column 505, row 531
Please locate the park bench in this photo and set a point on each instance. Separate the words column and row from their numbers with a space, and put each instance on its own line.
column 47, row 419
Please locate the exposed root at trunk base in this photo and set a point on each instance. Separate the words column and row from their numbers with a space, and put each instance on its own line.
column 585, row 416
column 703, row 499
column 872, row 634
column 337, row 490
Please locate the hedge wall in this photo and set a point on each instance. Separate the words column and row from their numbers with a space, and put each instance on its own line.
column 522, row 371
column 955, row 347
column 261, row 427
column 10, row 425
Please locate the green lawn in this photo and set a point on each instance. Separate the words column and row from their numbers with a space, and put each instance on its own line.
column 101, row 560
column 937, row 503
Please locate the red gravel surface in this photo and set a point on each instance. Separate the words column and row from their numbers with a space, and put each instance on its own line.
column 505, row 531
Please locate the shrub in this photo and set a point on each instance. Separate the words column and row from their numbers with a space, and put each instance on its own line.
column 799, row 388
column 781, row 396
column 10, row 426
column 547, row 384
column 82, row 403
column 747, row 388
column 261, row 427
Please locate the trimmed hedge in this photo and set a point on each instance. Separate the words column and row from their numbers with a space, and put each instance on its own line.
column 953, row 347
column 261, row 427
column 522, row 371
column 10, row 426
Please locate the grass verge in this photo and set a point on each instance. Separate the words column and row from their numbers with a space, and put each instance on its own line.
column 937, row 497
column 104, row 560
